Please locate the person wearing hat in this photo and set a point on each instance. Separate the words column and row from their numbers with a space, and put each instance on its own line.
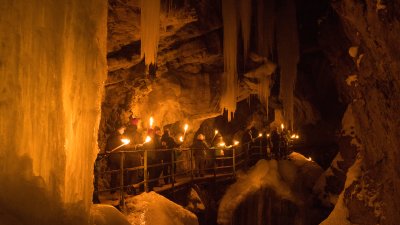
column 113, row 142
column 200, row 148
column 154, row 156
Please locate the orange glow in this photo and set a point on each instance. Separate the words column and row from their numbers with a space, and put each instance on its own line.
column 148, row 139
column 216, row 132
column 186, row 127
column 151, row 122
column 260, row 134
column 125, row 141
column 235, row 142
column 181, row 138
column 267, row 135
column 309, row 159
column 222, row 144
column 282, row 126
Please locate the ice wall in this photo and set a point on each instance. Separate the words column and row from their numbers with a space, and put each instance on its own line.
column 52, row 69
column 150, row 30
column 288, row 56
column 230, row 84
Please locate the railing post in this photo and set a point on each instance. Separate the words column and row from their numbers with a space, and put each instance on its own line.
column 172, row 178
column 233, row 161
column 191, row 164
column 121, row 183
column 145, row 174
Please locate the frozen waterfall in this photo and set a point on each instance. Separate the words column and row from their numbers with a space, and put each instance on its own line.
column 230, row 84
column 150, row 30
column 52, row 68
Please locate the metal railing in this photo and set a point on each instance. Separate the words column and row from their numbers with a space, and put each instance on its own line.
column 174, row 165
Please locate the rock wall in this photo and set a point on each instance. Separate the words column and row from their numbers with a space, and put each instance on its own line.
column 368, row 77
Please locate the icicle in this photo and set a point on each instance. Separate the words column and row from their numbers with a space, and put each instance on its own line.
column 264, row 91
column 150, row 30
column 265, row 27
column 288, row 56
column 245, row 19
column 230, row 85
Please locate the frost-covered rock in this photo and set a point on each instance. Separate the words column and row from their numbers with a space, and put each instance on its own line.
column 107, row 215
column 154, row 209
column 291, row 180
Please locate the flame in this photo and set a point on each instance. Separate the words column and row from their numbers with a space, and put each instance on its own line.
column 260, row 134
column 297, row 136
column 309, row 159
column 293, row 136
column 282, row 126
column 151, row 121
column 222, row 144
column 125, row 141
column 181, row 138
column 186, row 127
column 235, row 142
column 216, row 132
column 267, row 135
column 148, row 139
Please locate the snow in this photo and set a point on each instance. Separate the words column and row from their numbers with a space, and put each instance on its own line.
column 340, row 213
column 107, row 215
column 52, row 70
column 353, row 51
column 230, row 83
column 195, row 203
column 280, row 176
column 150, row 30
column 154, row 209
column 351, row 79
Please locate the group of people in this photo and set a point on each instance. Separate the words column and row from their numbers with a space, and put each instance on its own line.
column 162, row 148
column 277, row 143
column 159, row 152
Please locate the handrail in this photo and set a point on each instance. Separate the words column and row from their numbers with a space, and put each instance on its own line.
column 234, row 158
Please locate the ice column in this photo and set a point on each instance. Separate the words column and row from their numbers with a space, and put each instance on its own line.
column 150, row 30
column 230, row 84
column 245, row 21
column 52, row 70
column 265, row 44
column 288, row 56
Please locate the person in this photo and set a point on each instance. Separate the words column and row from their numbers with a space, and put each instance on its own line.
column 132, row 159
column 114, row 159
column 200, row 148
column 169, row 144
column 283, row 148
column 247, row 140
column 154, row 156
column 218, row 150
column 275, row 140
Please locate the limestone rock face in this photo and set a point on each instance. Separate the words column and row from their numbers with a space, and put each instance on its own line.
column 374, row 27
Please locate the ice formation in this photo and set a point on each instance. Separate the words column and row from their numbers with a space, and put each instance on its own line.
column 150, row 30
column 266, row 27
column 288, row 56
column 281, row 176
column 230, row 84
column 154, row 209
column 265, row 44
column 52, row 68
column 101, row 214
column 245, row 21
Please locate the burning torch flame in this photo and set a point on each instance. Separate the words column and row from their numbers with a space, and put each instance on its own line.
column 222, row 144
column 260, row 135
column 282, row 126
column 125, row 141
column 215, row 132
column 267, row 135
column 297, row 136
column 151, row 120
column 235, row 142
column 293, row 136
column 148, row 139
column 181, row 138
column 186, row 127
